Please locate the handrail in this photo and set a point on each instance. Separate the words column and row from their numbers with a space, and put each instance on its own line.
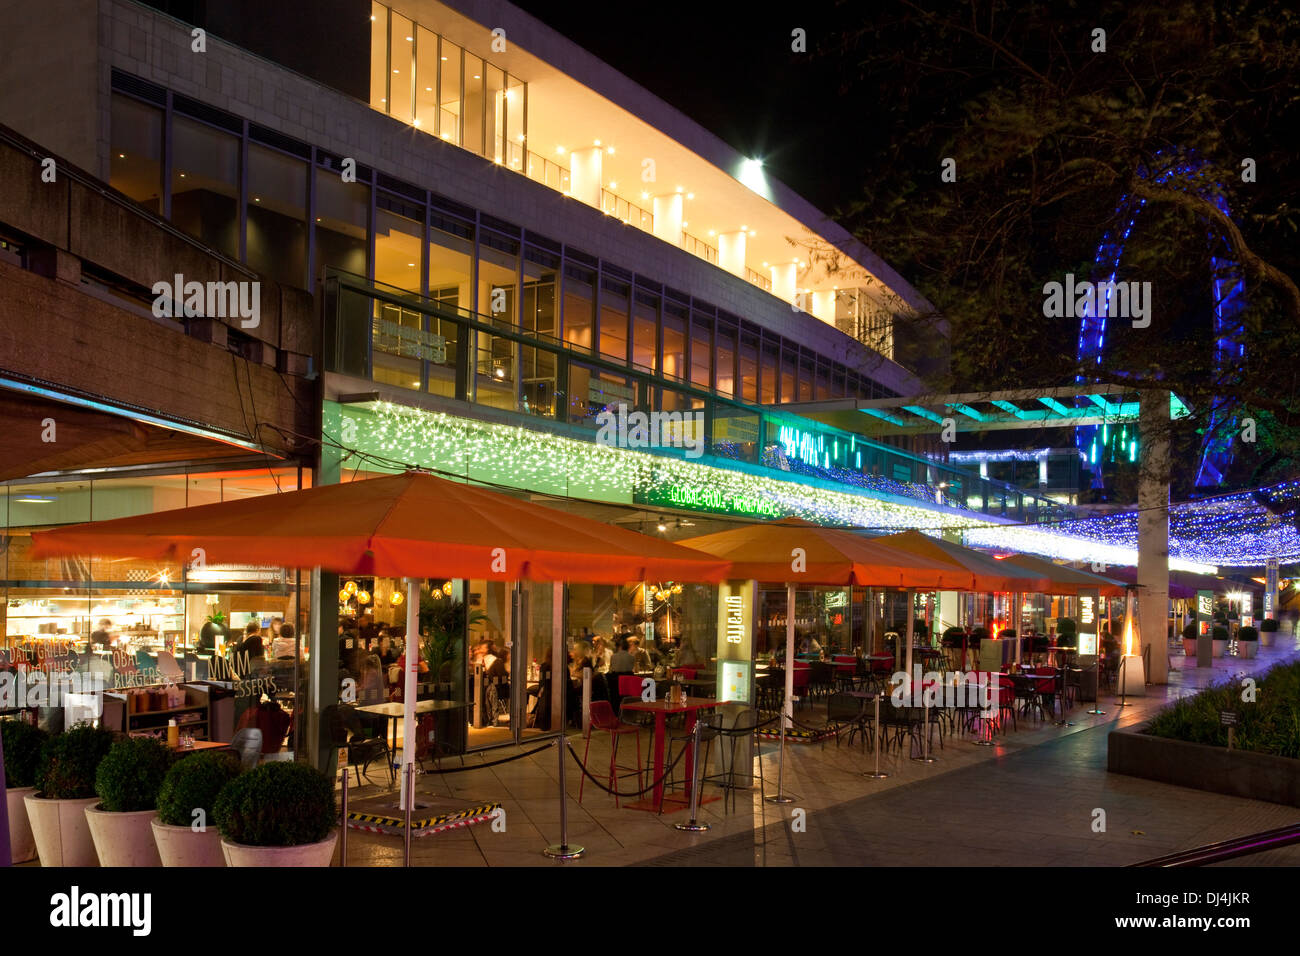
column 1228, row 849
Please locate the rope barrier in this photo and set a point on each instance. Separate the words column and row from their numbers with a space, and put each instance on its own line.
column 484, row 766
column 618, row 793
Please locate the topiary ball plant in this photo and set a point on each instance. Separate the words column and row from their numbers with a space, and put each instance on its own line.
column 1189, row 631
column 193, row 784
column 22, row 748
column 69, row 760
column 129, row 778
column 1247, row 633
column 277, row 804
column 1219, row 633
column 1268, row 624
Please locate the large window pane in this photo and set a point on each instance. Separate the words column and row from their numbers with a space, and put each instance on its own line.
column 341, row 213
column 592, row 392
column 539, row 299
column 806, row 366
column 398, row 346
column 497, row 278
column 426, row 80
column 579, row 305
column 472, row 139
column 449, row 114
column 725, row 353
column 205, row 184
column 702, row 351
column 277, row 215
column 645, row 331
column 136, row 164
column 749, row 368
column 496, row 114
column 401, row 67
column 379, row 56
column 516, row 135
column 788, row 360
column 613, row 319
column 767, row 386
column 451, row 263
column 398, row 240
column 674, row 364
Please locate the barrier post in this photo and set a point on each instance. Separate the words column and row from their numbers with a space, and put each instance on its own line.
column 562, row 850
column 410, row 802
column 697, row 781
column 877, row 775
column 780, row 796
column 343, row 837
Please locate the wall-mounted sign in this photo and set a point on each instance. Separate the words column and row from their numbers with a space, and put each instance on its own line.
column 705, row 498
column 1204, row 628
column 1089, row 601
column 409, row 342
column 1270, row 588
column 735, row 640
column 735, row 606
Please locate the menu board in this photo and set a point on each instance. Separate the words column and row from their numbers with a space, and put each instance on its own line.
column 1089, row 602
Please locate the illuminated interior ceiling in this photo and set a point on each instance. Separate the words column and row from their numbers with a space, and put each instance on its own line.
column 1066, row 407
column 565, row 115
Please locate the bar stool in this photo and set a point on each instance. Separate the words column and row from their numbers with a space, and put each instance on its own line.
column 603, row 719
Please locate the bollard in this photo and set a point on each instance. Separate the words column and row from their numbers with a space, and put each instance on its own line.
column 562, row 850
column 343, row 837
column 925, row 733
column 779, row 796
column 410, row 802
column 877, row 775
column 1096, row 697
column 697, row 781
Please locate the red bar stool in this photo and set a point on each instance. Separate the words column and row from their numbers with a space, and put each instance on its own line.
column 603, row 719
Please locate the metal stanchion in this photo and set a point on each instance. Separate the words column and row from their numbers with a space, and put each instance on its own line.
column 876, row 774
column 410, row 802
column 779, row 796
column 563, row 850
column 343, row 836
column 985, row 724
column 1096, row 697
column 925, row 732
column 1123, row 682
column 1063, row 722
column 697, row 781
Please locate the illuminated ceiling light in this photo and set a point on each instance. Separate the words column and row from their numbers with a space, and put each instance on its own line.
column 372, row 17
column 427, row 89
column 416, row 123
column 411, row 264
column 446, row 589
column 257, row 199
column 712, row 232
column 446, row 135
column 595, row 142
column 765, row 264
column 753, row 233
column 645, row 195
column 743, row 227
column 613, row 185
column 121, row 155
column 410, row 39
column 444, row 59
column 610, row 150
column 559, row 150
column 350, row 588
column 679, row 189
column 751, row 175
column 690, row 195
column 343, row 594
column 396, row 598
column 476, row 76
column 397, row 71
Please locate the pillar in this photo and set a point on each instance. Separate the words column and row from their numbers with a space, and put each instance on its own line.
column 731, row 252
column 668, row 218
column 1153, row 529
column 784, row 279
column 584, row 175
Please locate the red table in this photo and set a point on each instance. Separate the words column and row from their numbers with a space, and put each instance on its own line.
column 661, row 709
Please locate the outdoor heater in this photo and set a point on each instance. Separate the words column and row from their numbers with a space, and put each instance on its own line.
column 1132, row 676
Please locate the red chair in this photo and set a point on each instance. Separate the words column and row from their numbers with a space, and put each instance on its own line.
column 1045, row 686
column 684, row 673
column 802, row 678
column 603, row 719
column 629, row 685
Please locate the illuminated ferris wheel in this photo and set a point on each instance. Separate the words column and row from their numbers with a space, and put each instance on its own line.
column 1100, row 445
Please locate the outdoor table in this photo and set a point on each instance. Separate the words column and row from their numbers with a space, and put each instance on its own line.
column 661, row 709
column 694, row 682
column 200, row 745
column 394, row 712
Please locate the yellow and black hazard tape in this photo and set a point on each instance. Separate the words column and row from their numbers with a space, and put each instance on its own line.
column 797, row 736
column 383, row 822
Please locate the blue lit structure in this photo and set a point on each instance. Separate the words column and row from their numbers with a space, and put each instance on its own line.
column 1099, row 444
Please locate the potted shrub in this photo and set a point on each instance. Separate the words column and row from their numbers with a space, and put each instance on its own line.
column 1189, row 639
column 1067, row 632
column 22, row 748
column 65, row 787
column 1267, row 631
column 1220, row 638
column 128, row 781
column 278, row 814
column 1247, row 642
column 184, row 836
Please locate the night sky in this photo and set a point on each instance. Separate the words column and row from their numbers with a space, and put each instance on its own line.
column 734, row 73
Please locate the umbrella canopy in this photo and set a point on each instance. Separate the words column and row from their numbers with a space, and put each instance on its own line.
column 983, row 573
column 409, row 525
column 1066, row 580
column 831, row 556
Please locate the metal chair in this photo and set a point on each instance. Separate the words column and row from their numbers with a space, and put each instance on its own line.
column 845, row 709
column 603, row 719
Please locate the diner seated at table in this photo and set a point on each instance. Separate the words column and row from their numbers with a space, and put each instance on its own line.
column 601, row 654
column 282, row 647
column 640, row 657
column 621, row 661
column 579, row 660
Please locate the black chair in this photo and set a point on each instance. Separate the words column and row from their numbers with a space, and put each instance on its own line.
column 846, row 710
column 710, row 727
column 743, row 725
column 346, row 730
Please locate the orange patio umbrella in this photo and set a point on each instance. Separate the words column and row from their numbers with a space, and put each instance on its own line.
column 412, row 525
column 1063, row 580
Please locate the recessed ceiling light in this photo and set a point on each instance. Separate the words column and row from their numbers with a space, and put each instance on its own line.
column 595, row 142
column 257, row 199
column 121, row 155
column 428, row 89
column 476, row 76
column 410, row 39
column 411, row 264
column 560, row 150
column 645, row 195
column 685, row 224
column 444, row 58
column 415, row 123
column 613, row 185
column 397, row 71
column 690, row 195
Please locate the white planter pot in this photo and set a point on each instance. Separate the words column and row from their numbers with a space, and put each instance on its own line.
column 61, row 832
column 1247, row 649
column 22, row 846
column 1266, row 638
column 1189, row 647
column 309, row 854
column 1219, row 647
column 182, row 846
column 123, row 839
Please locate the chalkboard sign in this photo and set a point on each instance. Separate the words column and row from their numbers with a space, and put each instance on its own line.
column 1229, row 718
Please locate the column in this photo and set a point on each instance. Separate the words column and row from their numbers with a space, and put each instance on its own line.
column 1153, row 529
column 784, row 280
column 731, row 252
column 668, row 218
column 584, row 175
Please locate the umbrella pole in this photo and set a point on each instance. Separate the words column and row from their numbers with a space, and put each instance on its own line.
column 911, row 627
column 789, row 657
column 408, row 691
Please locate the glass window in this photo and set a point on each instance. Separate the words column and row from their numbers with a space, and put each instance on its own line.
column 398, row 241
column 837, row 382
column 613, row 320
column 277, row 215
column 341, row 213
column 472, row 139
column 749, row 368
column 379, row 57
column 674, row 363
column 645, row 331
column 449, row 92
column 788, row 393
column 401, row 67
column 579, row 305
column 451, row 263
column 767, row 383
column 398, row 348
column 701, row 351
column 497, row 280
column 537, row 374
column 136, row 164
column 516, row 138
column 823, row 381
column 807, row 364
column 592, row 392
column 496, row 114
column 539, row 299
column 725, row 355
column 205, row 184
column 426, row 80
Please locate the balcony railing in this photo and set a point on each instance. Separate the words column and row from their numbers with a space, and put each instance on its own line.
column 612, row 205
column 698, row 247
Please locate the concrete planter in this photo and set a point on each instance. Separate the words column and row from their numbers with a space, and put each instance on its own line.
column 1220, row 647
column 1266, row 638
column 310, row 854
column 123, row 839
column 1189, row 647
column 61, row 832
column 22, row 846
column 1247, row 649
column 1201, row 767
column 182, row 846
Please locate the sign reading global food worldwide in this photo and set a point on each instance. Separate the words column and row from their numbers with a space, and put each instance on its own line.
column 704, row 498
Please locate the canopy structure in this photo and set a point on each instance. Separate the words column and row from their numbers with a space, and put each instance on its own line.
column 983, row 573
column 1068, row 581
column 409, row 525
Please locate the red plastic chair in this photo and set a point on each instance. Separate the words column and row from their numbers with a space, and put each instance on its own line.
column 629, row 685
column 603, row 719
column 685, row 673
